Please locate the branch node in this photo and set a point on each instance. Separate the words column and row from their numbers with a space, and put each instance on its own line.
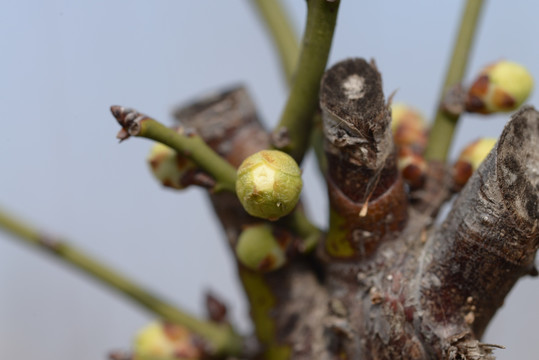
column 129, row 119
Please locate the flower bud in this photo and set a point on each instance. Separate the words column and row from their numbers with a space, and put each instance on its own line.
column 269, row 184
column 168, row 166
column 167, row 341
column 409, row 127
column 258, row 249
column 412, row 166
column 469, row 160
column 500, row 87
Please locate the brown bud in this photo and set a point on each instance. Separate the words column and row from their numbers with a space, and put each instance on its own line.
column 412, row 166
column 409, row 128
column 216, row 309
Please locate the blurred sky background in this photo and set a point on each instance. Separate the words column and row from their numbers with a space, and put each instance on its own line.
column 63, row 63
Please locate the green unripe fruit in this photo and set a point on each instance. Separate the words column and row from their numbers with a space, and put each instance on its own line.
column 257, row 249
column 269, row 184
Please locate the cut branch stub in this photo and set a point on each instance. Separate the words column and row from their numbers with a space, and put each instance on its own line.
column 367, row 197
column 490, row 238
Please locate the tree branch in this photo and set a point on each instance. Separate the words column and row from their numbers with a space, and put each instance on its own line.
column 441, row 133
column 221, row 338
column 281, row 32
column 292, row 134
column 228, row 122
column 189, row 145
column 367, row 198
column 490, row 238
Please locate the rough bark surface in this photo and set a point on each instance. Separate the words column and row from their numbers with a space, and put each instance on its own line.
column 289, row 305
column 386, row 283
column 366, row 192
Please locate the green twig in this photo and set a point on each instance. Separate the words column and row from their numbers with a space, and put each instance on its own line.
column 192, row 146
column 445, row 123
column 282, row 33
column 189, row 145
column 221, row 338
column 293, row 131
column 317, row 143
column 299, row 223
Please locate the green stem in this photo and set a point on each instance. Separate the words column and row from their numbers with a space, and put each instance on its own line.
column 293, row 131
column 299, row 223
column 280, row 29
column 317, row 143
column 445, row 123
column 222, row 339
column 191, row 146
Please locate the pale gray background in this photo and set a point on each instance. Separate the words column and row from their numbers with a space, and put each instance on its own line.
column 63, row 63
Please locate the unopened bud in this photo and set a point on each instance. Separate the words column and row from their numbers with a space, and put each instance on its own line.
column 500, row 87
column 167, row 341
column 469, row 160
column 409, row 127
column 269, row 184
column 168, row 167
column 258, row 249
column 413, row 167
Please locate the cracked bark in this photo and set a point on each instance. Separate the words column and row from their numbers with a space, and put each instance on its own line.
column 433, row 300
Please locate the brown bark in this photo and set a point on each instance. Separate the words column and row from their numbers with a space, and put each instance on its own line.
column 490, row 238
column 366, row 192
column 290, row 301
column 412, row 300
column 396, row 286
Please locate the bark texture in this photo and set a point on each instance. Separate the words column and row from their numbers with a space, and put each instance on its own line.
column 386, row 283
column 413, row 298
column 287, row 305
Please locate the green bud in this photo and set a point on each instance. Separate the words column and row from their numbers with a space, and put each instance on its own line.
column 470, row 158
column 500, row 87
column 167, row 166
column 165, row 341
column 257, row 249
column 269, row 184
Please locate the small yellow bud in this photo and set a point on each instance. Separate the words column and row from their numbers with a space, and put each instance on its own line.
column 269, row 184
column 470, row 158
column 165, row 341
column 258, row 249
column 168, row 166
column 500, row 87
column 409, row 127
column 412, row 166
